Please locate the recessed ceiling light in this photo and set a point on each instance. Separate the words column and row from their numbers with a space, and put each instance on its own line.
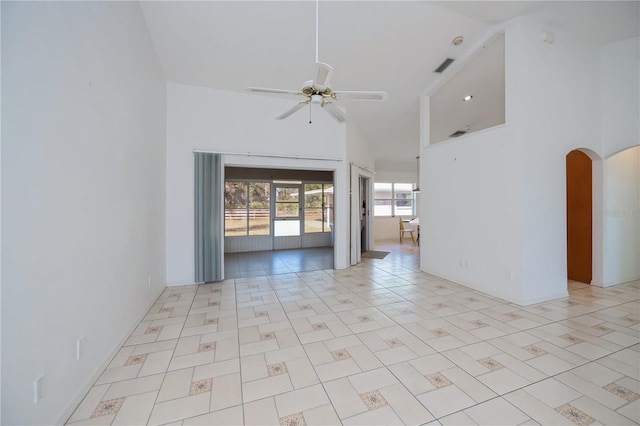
column 467, row 98
column 457, row 41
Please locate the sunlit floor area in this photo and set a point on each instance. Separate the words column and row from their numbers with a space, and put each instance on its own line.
column 377, row 343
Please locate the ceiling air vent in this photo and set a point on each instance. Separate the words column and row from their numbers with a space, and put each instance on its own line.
column 457, row 133
column 443, row 66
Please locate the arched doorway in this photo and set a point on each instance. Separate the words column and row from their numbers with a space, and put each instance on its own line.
column 579, row 217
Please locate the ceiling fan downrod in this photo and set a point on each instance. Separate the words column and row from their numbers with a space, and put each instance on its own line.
column 317, row 2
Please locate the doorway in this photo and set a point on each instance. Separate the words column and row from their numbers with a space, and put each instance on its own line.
column 364, row 214
column 286, row 216
column 579, row 217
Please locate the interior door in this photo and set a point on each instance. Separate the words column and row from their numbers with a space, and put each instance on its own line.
column 287, row 217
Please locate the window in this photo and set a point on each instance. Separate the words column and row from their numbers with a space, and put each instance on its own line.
column 393, row 199
column 250, row 208
column 246, row 208
column 318, row 207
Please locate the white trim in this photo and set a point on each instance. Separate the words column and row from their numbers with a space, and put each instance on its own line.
column 355, row 242
column 255, row 154
column 362, row 167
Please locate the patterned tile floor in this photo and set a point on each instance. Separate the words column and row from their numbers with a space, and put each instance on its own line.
column 378, row 343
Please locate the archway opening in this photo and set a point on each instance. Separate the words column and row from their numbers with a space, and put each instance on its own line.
column 579, row 217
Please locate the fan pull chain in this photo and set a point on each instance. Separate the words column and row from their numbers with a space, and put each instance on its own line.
column 310, row 107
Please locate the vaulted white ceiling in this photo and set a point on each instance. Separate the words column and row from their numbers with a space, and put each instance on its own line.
column 379, row 45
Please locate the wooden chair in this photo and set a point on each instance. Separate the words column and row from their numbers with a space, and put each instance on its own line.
column 409, row 231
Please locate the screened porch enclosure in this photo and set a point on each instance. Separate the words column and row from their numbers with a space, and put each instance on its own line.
column 270, row 209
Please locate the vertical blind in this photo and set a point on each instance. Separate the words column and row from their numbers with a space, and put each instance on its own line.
column 209, row 211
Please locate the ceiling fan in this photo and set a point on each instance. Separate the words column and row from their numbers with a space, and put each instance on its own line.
column 318, row 91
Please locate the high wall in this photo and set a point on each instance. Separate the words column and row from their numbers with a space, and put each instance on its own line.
column 238, row 124
column 470, row 217
column 621, row 221
column 493, row 212
column 554, row 109
column 620, row 91
column 620, row 215
column 83, row 184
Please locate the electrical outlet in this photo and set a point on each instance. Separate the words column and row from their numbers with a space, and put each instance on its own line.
column 78, row 347
column 38, row 389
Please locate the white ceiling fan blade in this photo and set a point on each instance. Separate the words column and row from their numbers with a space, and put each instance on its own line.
column 292, row 110
column 323, row 74
column 277, row 92
column 335, row 112
column 361, row 95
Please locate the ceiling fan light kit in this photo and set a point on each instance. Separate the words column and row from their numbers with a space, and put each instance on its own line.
column 318, row 91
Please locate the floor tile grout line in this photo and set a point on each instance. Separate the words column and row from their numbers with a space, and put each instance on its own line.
column 377, row 308
column 533, row 383
column 488, row 341
column 521, row 330
column 346, row 377
column 387, row 367
column 155, row 401
column 320, row 382
column 177, row 369
column 303, row 347
column 498, row 395
column 383, row 365
column 435, row 352
column 235, row 297
column 137, row 377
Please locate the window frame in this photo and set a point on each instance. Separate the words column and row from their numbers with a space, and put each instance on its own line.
column 393, row 200
column 327, row 210
column 248, row 208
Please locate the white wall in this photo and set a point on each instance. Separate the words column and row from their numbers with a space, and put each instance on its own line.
column 471, row 207
column 386, row 228
column 555, row 110
column 0, row 221
column 620, row 88
column 83, row 163
column 223, row 121
column 553, row 97
column 359, row 150
column 470, row 219
column 404, row 176
column 621, row 222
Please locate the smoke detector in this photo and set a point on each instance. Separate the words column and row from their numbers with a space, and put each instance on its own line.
column 457, row 41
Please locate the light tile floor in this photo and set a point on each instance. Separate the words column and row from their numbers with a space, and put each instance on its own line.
column 378, row 343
